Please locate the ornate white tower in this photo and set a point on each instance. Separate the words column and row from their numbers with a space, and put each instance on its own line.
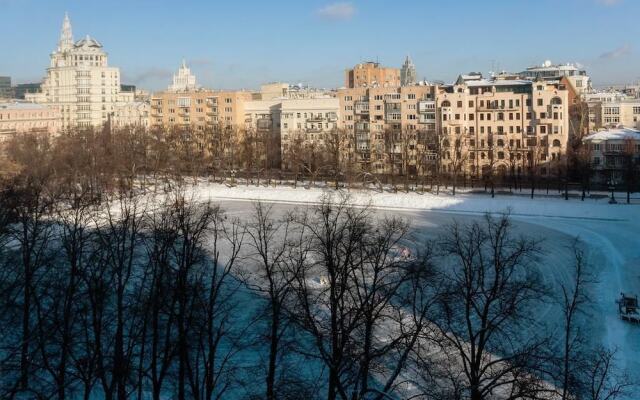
column 66, row 35
column 184, row 80
column 408, row 73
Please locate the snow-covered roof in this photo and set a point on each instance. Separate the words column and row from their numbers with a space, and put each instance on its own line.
column 615, row 134
column 22, row 106
column 505, row 82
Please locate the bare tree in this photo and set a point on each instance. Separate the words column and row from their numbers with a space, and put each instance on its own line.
column 488, row 289
column 273, row 242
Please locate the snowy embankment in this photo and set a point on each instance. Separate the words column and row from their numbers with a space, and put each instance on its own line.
column 543, row 206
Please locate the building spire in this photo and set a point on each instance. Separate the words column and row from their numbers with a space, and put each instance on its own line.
column 66, row 34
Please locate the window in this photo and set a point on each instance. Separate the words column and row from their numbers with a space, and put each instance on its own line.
column 540, row 102
column 470, row 103
column 411, row 96
column 459, row 104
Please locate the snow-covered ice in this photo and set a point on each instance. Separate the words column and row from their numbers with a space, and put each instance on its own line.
column 611, row 233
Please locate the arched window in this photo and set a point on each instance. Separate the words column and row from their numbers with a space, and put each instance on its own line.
column 556, row 143
column 556, row 101
column 445, row 103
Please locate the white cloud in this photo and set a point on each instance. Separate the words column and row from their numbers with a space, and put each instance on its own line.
column 616, row 53
column 337, row 11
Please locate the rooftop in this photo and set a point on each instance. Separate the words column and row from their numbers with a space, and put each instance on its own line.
column 497, row 82
column 615, row 134
column 22, row 106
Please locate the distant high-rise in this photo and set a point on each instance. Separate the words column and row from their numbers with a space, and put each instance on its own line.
column 5, row 87
column 184, row 80
column 79, row 82
column 408, row 73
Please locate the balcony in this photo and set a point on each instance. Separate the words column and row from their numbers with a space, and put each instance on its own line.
column 362, row 127
column 361, row 107
column 426, row 107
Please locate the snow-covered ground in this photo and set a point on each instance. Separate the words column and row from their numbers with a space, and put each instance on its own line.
column 611, row 233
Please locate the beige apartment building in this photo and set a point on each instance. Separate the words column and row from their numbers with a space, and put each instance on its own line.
column 298, row 129
column 503, row 126
column 198, row 110
column 389, row 130
column 371, row 74
column 26, row 117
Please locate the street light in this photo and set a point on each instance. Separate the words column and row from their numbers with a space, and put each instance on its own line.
column 612, row 188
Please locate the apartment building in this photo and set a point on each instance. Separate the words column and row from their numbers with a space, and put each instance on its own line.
column 548, row 71
column 389, row 130
column 297, row 128
column 134, row 114
column 26, row 117
column 613, row 152
column 621, row 112
column 198, row 110
column 503, row 126
column 370, row 74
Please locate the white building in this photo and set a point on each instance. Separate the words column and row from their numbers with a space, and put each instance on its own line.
column 611, row 151
column 80, row 83
column 184, row 80
column 133, row 114
column 549, row 72
column 613, row 109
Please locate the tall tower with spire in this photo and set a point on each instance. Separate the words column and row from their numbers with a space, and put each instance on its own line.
column 66, row 35
column 408, row 73
column 184, row 80
column 79, row 81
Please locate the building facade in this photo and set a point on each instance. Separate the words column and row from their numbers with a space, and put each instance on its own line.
column 371, row 74
column 134, row 114
column 389, row 129
column 298, row 130
column 198, row 110
column 550, row 72
column 26, row 117
column 496, row 126
column 614, row 154
column 80, row 83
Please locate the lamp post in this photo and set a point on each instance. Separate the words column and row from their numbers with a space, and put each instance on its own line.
column 612, row 188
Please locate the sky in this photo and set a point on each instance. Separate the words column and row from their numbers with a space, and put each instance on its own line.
column 243, row 43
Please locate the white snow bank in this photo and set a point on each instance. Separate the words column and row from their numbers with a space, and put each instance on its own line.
column 462, row 203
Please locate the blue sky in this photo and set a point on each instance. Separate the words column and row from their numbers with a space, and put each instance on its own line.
column 242, row 43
